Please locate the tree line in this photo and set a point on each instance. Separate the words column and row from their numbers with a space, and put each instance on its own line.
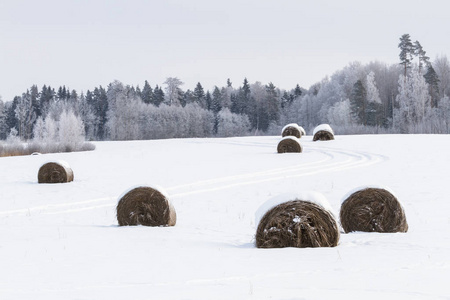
column 408, row 97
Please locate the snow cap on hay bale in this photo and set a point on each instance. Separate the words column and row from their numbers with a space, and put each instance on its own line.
column 372, row 209
column 55, row 172
column 293, row 129
column 323, row 132
column 145, row 205
column 289, row 220
column 289, row 144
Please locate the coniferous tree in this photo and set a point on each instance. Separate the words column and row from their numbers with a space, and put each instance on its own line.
column 297, row 91
column 199, row 95
column 11, row 120
column 271, row 107
column 25, row 116
column 432, row 79
column 3, row 128
column 406, row 52
column 208, row 100
column 46, row 96
column 241, row 103
column 100, row 100
column 147, row 93
column 358, row 102
column 216, row 104
column 286, row 99
column 424, row 60
column 158, row 96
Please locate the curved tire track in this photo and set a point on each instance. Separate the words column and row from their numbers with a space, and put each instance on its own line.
column 334, row 160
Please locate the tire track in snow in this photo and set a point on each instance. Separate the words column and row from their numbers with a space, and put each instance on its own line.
column 353, row 160
column 335, row 160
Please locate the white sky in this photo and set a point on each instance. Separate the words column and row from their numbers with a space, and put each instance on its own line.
column 86, row 43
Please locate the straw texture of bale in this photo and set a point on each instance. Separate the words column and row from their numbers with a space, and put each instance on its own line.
column 373, row 210
column 289, row 144
column 55, row 172
column 323, row 132
column 291, row 131
column 297, row 223
column 145, row 206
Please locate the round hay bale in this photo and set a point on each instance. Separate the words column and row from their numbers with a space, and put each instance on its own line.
column 302, row 130
column 55, row 172
column 145, row 206
column 291, row 130
column 372, row 210
column 289, row 144
column 323, row 132
column 297, row 223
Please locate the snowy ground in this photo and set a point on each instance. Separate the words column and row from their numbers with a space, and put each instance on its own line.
column 62, row 241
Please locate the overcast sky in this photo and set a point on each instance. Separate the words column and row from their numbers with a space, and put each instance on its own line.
column 86, row 43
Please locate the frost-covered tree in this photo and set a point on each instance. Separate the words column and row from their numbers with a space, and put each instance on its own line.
column 413, row 102
column 51, row 134
column 339, row 115
column 123, row 114
column 231, row 124
column 442, row 67
column 71, row 131
column 25, row 116
column 374, row 108
column 173, row 91
column 3, row 128
column 444, row 114
column 39, row 130
column 372, row 91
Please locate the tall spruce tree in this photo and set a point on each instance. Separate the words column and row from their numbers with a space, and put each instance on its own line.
column 297, row 91
column 199, row 95
column 147, row 93
column 358, row 102
column 216, row 104
column 158, row 96
column 432, row 79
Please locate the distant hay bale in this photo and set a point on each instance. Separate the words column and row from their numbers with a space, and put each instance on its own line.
column 323, row 132
column 55, row 172
column 292, row 129
column 297, row 223
column 302, row 130
column 372, row 210
column 145, row 206
column 289, row 144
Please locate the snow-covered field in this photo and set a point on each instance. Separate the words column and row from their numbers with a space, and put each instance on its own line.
column 62, row 241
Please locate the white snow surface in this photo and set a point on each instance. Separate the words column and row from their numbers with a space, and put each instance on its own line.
column 62, row 241
column 324, row 127
column 310, row 196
